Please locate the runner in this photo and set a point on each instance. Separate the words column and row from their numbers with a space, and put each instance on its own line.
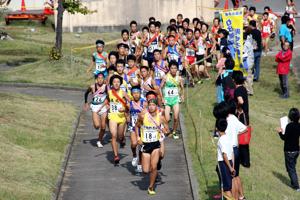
column 266, row 26
column 135, row 37
column 116, row 116
column 99, row 58
column 145, row 35
column 147, row 82
column 273, row 17
column 135, row 107
column 151, row 43
column 122, row 51
column 132, row 73
column 149, row 124
column 214, row 30
column 159, row 67
column 173, row 93
column 179, row 19
column 210, row 45
column 113, row 56
column 120, row 71
column 190, row 54
column 173, row 52
column 125, row 38
column 200, row 67
column 98, row 105
column 291, row 10
column 252, row 15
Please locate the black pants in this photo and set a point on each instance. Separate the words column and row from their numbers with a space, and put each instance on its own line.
column 283, row 79
column 244, row 155
column 290, row 164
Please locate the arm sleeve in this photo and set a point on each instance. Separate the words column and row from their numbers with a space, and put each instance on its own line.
column 86, row 94
column 287, row 57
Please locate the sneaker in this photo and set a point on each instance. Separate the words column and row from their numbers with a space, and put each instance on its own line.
column 158, row 164
column 139, row 169
column 151, row 191
column 298, row 190
column 175, row 136
column 134, row 161
column 116, row 160
column 99, row 145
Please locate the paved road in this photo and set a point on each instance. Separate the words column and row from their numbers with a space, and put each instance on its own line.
column 90, row 173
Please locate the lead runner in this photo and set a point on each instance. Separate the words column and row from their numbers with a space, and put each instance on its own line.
column 150, row 122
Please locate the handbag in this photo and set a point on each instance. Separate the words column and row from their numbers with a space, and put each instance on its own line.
column 244, row 138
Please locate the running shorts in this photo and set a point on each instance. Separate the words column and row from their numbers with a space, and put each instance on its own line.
column 95, row 108
column 150, row 147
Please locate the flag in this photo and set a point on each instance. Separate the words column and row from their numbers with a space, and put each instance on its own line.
column 233, row 23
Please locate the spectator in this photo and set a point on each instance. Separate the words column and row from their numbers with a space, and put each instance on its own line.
column 291, row 146
column 241, row 98
column 234, row 128
column 248, row 60
column 284, row 32
column 256, row 35
column 225, row 159
column 283, row 58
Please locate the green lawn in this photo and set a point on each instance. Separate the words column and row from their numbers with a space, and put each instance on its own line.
column 34, row 41
column 267, row 178
column 31, row 146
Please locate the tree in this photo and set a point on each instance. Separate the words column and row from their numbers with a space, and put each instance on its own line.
column 72, row 6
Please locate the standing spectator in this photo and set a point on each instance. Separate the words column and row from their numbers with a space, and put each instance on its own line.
column 291, row 146
column 225, row 159
column 256, row 35
column 283, row 58
column 284, row 32
column 241, row 98
column 292, row 30
column 248, row 60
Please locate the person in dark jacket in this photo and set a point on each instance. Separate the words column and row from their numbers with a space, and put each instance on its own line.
column 291, row 146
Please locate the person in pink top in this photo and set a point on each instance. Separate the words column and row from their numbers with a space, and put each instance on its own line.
column 283, row 58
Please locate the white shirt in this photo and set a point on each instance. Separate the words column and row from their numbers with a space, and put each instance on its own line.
column 224, row 146
column 234, row 128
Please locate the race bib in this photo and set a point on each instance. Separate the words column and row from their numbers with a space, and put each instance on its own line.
column 114, row 107
column 190, row 52
column 171, row 92
column 134, row 119
column 201, row 50
column 150, row 134
column 266, row 29
column 100, row 66
column 152, row 47
column 99, row 99
column 173, row 57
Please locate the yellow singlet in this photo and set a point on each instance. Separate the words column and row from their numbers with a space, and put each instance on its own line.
column 149, row 130
column 114, row 106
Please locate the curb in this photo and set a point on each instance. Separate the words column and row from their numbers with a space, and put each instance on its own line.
column 193, row 180
column 65, row 161
column 11, row 84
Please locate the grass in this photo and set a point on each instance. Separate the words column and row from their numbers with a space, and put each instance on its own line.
column 31, row 148
column 267, row 178
column 34, row 41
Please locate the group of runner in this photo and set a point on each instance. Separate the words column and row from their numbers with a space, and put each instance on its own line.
column 140, row 86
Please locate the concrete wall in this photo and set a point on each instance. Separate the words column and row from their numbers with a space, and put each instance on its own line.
column 116, row 14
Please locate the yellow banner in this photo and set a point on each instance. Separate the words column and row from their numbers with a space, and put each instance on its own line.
column 233, row 23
